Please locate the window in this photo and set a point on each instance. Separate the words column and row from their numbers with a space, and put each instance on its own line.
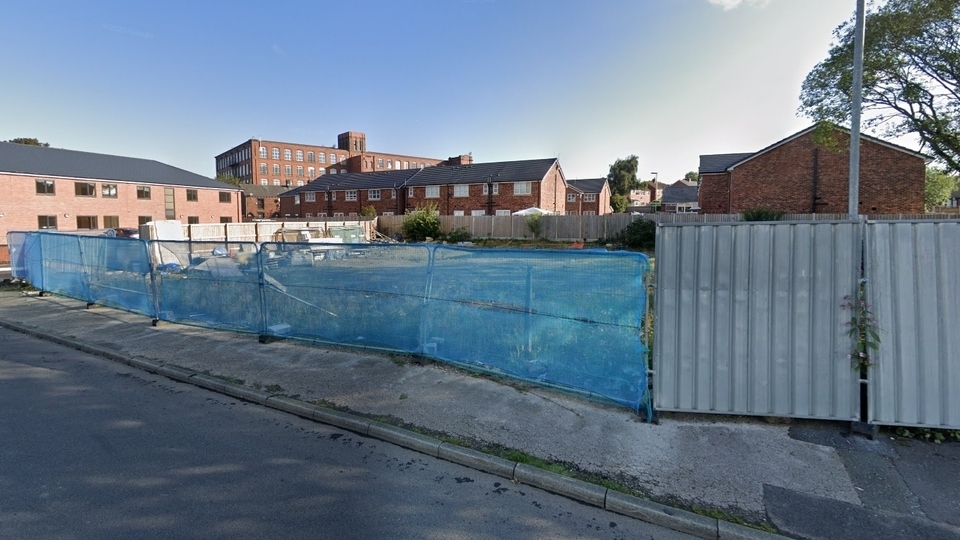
column 589, row 197
column 343, row 159
column 373, row 194
column 388, row 213
column 433, row 192
column 410, row 192
column 265, row 182
column 168, row 204
column 47, row 222
column 310, row 196
column 108, row 191
column 333, row 171
column 288, row 170
column 224, row 197
column 259, row 215
column 263, row 168
column 461, row 190
column 299, row 170
column 322, row 214
column 46, row 187
column 275, row 153
column 414, row 164
column 311, row 172
column 308, row 215
column 276, row 168
column 87, row 222
column 321, row 158
column 503, row 212
column 477, row 213
column 343, row 171
column 85, row 189
column 143, row 192
column 142, row 220
column 333, row 158
column 521, row 188
column 496, row 189
column 589, row 213
column 310, row 157
column 406, row 164
column 193, row 220
column 299, row 183
column 260, row 203
column 276, row 181
column 379, row 163
column 286, row 154
column 458, row 212
column 393, row 194
column 111, row 222
column 192, row 195
column 321, row 172
column 350, row 195
column 571, row 197
column 263, row 152
column 333, row 195
column 299, row 155
column 338, row 214
column 389, row 163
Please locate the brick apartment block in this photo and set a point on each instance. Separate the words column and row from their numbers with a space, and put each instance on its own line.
column 276, row 167
column 497, row 188
column 798, row 175
column 68, row 190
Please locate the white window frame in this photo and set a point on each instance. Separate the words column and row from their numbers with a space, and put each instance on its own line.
column 276, row 181
column 321, row 157
column 311, row 172
column 432, row 192
column 522, row 188
column 333, row 159
column 286, row 154
column 264, row 182
column 496, row 189
column 589, row 197
column 275, row 153
column 571, row 197
column 458, row 212
column 350, row 195
column 478, row 212
column 299, row 155
column 310, row 196
column 410, row 192
column 503, row 212
column 373, row 194
column 461, row 190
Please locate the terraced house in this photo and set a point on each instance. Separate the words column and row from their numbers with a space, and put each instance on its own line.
column 53, row 188
column 474, row 189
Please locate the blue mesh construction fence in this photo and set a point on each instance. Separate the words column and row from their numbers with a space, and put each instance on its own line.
column 569, row 319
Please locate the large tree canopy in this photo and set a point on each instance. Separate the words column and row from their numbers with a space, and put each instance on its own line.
column 911, row 74
column 623, row 178
column 938, row 187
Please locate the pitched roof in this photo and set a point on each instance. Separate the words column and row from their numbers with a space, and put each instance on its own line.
column 718, row 163
column 532, row 170
column 25, row 159
column 588, row 185
column 680, row 192
column 255, row 190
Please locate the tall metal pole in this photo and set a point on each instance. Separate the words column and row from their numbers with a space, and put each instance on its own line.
column 853, row 209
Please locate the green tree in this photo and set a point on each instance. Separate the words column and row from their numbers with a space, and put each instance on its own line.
column 29, row 142
column 228, row 179
column 938, row 187
column 692, row 176
column 911, row 75
column 623, row 178
column 422, row 222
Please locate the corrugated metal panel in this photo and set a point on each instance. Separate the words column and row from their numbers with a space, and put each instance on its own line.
column 914, row 286
column 748, row 319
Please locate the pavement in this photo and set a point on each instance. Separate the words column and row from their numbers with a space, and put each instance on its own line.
column 708, row 476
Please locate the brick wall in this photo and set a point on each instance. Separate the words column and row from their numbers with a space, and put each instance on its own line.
column 21, row 205
column 802, row 177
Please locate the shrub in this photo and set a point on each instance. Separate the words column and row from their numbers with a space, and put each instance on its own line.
column 421, row 223
column 459, row 234
column 762, row 214
column 535, row 224
column 368, row 211
column 640, row 234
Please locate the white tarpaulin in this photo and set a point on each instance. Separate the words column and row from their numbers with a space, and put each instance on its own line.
column 532, row 211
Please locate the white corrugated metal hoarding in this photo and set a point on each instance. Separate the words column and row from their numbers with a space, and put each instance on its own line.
column 749, row 318
column 913, row 271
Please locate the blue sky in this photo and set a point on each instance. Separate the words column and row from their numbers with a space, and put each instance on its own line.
column 588, row 81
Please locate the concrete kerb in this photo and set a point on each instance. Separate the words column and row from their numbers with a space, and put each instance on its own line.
column 613, row 501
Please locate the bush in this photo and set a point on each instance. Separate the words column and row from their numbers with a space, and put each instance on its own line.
column 421, row 223
column 368, row 211
column 762, row 214
column 459, row 234
column 535, row 224
column 640, row 234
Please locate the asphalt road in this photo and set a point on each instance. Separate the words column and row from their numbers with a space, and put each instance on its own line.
column 94, row 449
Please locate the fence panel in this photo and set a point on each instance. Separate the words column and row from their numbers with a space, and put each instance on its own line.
column 566, row 318
column 26, row 258
column 212, row 284
column 914, row 289
column 748, row 319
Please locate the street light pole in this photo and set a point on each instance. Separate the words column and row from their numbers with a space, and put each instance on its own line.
column 853, row 209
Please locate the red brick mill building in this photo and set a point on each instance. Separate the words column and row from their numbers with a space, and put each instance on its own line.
column 469, row 189
column 802, row 175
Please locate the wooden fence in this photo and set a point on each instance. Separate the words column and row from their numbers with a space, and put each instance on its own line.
column 590, row 228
